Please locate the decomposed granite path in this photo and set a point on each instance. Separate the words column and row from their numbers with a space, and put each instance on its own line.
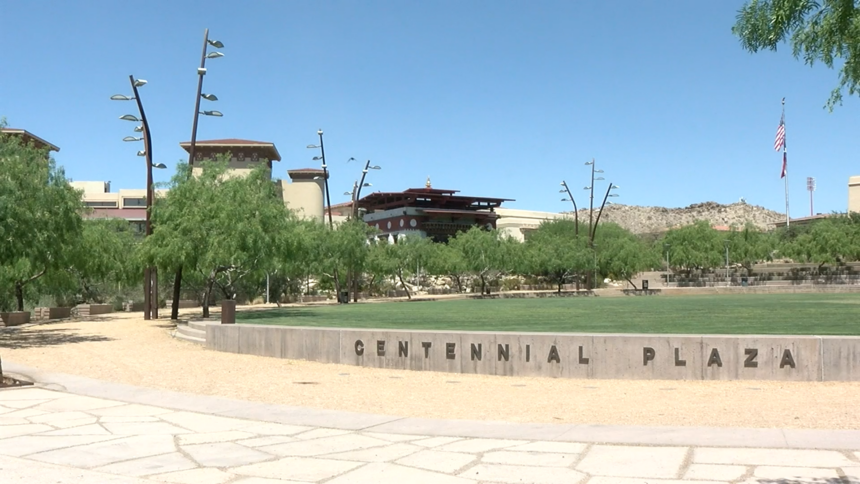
column 76, row 430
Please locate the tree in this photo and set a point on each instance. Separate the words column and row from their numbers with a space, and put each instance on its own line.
column 40, row 219
column 484, row 252
column 103, row 259
column 830, row 241
column 818, row 30
column 223, row 227
column 445, row 259
column 696, row 246
column 556, row 251
column 622, row 254
column 749, row 246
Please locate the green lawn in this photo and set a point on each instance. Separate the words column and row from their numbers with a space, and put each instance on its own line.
column 797, row 314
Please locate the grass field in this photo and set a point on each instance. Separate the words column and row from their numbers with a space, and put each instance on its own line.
column 797, row 314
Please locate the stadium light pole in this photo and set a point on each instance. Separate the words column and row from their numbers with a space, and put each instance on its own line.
column 571, row 200
column 150, row 276
column 668, row 270
column 201, row 71
column 727, row 242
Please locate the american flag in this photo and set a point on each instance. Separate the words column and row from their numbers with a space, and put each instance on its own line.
column 779, row 142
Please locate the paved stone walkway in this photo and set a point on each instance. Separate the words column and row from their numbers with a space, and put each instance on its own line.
column 69, row 435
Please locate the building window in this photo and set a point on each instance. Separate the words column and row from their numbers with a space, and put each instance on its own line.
column 138, row 227
column 133, row 202
column 100, row 204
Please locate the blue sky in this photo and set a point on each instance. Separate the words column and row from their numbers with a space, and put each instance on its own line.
column 494, row 98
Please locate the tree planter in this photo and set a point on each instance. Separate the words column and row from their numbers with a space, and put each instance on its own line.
column 15, row 318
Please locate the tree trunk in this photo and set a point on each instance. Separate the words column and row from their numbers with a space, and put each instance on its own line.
column 400, row 276
column 483, row 284
column 177, row 286
column 560, row 283
column 208, row 294
column 459, row 283
column 19, row 294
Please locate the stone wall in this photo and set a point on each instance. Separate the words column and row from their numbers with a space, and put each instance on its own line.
column 599, row 356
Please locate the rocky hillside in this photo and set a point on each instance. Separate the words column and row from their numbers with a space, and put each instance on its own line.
column 643, row 220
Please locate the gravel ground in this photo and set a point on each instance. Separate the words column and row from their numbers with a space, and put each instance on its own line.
column 126, row 349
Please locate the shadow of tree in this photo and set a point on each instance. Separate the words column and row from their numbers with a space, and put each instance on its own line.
column 805, row 480
column 35, row 337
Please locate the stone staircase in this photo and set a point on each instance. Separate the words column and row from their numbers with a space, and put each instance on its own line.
column 193, row 331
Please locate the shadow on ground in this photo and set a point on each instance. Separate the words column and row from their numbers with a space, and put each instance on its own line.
column 40, row 336
column 282, row 313
column 802, row 480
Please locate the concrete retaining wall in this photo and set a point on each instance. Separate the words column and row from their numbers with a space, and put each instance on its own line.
column 602, row 356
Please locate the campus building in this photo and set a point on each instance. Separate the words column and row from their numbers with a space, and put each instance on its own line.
column 854, row 194
column 29, row 137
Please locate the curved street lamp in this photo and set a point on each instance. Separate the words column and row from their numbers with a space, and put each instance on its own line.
column 150, row 278
column 571, row 200
column 201, row 71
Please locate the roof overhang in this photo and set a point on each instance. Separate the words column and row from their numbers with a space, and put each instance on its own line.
column 32, row 137
column 233, row 145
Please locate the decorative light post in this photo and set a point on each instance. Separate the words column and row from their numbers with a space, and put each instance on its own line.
column 668, row 267
column 321, row 157
column 150, row 275
column 592, row 223
column 571, row 200
column 356, row 196
column 201, row 71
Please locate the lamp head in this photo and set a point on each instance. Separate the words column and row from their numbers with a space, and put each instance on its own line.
column 589, row 162
column 613, row 187
column 217, row 114
column 320, row 132
column 313, row 147
column 562, row 191
column 316, row 158
column 131, row 138
column 141, row 153
column 375, row 167
column 160, row 166
column 139, row 82
column 215, row 43
column 120, row 97
column 129, row 117
column 565, row 199
column 367, row 185
column 214, row 55
column 209, row 97
column 138, row 129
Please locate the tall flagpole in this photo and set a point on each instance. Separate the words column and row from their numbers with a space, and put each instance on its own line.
column 785, row 166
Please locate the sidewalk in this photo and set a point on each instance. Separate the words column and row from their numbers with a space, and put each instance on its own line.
column 79, row 430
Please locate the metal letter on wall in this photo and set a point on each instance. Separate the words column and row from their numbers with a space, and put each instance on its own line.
column 715, row 359
column 359, row 347
column 504, row 352
column 380, row 348
column 750, row 361
column 449, row 350
column 678, row 360
column 403, row 349
column 647, row 355
column 787, row 359
column 553, row 355
column 476, row 352
column 426, row 345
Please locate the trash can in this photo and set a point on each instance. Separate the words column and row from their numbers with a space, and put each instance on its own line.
column 644, row 284
column 744, row 281
column 344, row 297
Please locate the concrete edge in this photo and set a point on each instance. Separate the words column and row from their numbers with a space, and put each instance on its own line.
column 355, row 421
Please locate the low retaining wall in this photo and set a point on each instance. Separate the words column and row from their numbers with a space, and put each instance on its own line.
column 41, row 314
column 15, row 318
column 84, row 310
column 599, row 356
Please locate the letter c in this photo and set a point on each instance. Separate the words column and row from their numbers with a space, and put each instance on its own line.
column 359, row 347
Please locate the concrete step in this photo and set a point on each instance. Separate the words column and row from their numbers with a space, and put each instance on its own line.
column 193, row 332
column 190, row 339
column 201, row 325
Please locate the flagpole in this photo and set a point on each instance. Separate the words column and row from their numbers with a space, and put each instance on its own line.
column 785, row 165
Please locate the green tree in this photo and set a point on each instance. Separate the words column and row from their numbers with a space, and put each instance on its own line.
column 556, row 252
column 40, row 219
column 446, row 260
column 825, row 31
column 622, row 254
column 696, row 246
column 484, row 252
column 223, row 227
column 830, row 241
column 100, row 263
column 749, row 246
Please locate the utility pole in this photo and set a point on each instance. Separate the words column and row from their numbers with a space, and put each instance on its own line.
column 810, row 185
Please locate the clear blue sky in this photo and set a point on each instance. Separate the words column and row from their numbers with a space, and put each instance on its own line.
column 494, row 98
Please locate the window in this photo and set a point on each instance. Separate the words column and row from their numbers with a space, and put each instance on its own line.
column 138, row 227
column 100, row 204
column 133, row 202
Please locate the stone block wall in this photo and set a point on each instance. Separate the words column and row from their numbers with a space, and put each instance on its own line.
column 569, row 355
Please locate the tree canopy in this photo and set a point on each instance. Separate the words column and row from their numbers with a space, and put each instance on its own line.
column 826, row 31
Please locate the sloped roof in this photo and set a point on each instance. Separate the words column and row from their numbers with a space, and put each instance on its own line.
column 26, row 134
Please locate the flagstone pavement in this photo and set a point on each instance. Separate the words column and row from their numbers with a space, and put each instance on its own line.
column 75, row 430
